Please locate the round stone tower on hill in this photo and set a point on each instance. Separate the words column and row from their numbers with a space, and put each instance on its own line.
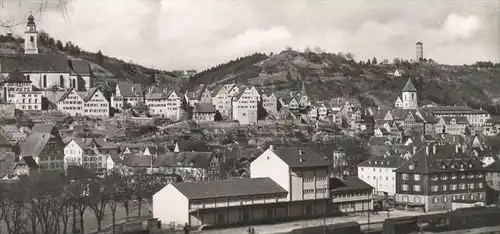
column 420, row 51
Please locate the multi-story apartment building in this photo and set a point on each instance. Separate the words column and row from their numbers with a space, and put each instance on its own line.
column 476, row 118
column 203, row 112
column 46, row 150
column 223, row 99
column 72, row 103
column 493, row 182
column 202, row 95
column 270, row 104
column 96, row 104
column 492, row 126
column 164, row 102
column 28, row 100
column 378, row 172
column 245, row 106
column 127, row 95
column 300, row 171
column 15, row 82
column 437, row 175
column 82, row 152
column 454, row 125
column 91, row 103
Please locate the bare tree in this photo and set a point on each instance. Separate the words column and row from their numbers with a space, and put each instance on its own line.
column 98, row 199
column 140, row 190
column 112, row 184
column 12, row 204
column 77, row 198
column 126, row 188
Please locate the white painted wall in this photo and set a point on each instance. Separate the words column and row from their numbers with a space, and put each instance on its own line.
column 382, row 179
column 73, row 154
column 268, row 164
column 170, row 205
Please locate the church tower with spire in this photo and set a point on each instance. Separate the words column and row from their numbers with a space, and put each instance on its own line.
column 31, row 37
column 409, row 93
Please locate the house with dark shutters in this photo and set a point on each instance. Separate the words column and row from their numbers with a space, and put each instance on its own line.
column 436, row 176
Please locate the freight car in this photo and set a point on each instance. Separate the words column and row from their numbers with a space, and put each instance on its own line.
column 341, row 228
column 461, row 219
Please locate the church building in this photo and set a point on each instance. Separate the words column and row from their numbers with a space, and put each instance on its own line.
column 46, row 71
column 409, row 97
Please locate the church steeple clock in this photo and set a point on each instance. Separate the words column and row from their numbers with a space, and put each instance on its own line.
column 31, row 37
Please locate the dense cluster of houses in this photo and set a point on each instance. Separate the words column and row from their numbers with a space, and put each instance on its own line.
column 424, row 157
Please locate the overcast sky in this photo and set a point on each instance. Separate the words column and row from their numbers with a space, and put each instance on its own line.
column 187, row 34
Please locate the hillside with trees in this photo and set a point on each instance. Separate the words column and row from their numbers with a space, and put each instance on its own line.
column 106, row 69
column 327, row 75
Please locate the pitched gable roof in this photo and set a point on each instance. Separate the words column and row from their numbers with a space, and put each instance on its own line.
column 186, row 159
column 28, row 63
column 409, row 87
column 301, row 157
column 80, row 67
column 35, row 144
column 445, row 159
column 130, row 89
column 348, row 183
column 203, row 108
column 16, row 77
column 229, row 188
column 89, row 94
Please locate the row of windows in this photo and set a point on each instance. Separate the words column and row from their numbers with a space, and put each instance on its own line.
column 237, row 199
column 311, row 191
column 29, row 100
column 417, row 177
column 444, row 187
column 31, row 107
column 374, row 177
column 71, row 108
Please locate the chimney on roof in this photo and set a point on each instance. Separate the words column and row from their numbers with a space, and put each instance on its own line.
column 414, row 149
column 271, row 147
column 434, row 149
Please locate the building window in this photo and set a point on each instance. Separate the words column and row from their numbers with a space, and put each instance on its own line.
column 434, row 188
column 418, row 200
column 32, row 39
column 61, row 81
column 445, row 198
column 416, row 177
column 435, row 200
column 404, row 187
column 434, row 178
column 416, row 188
column 445, row 187
column 480, row 185
column 462, row 186
column 405, row 176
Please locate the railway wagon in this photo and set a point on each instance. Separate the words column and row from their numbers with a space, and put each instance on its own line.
column 341, row 228
column 461, row 219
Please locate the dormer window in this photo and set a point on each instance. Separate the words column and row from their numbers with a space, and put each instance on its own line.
column 411, row 167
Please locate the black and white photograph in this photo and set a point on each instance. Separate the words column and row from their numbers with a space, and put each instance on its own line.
column 249, row 116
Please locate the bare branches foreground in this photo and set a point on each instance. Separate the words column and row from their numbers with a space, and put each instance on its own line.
column 48, row 202
column 41, row 6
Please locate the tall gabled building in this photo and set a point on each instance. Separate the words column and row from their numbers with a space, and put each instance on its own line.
column 437, row 175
